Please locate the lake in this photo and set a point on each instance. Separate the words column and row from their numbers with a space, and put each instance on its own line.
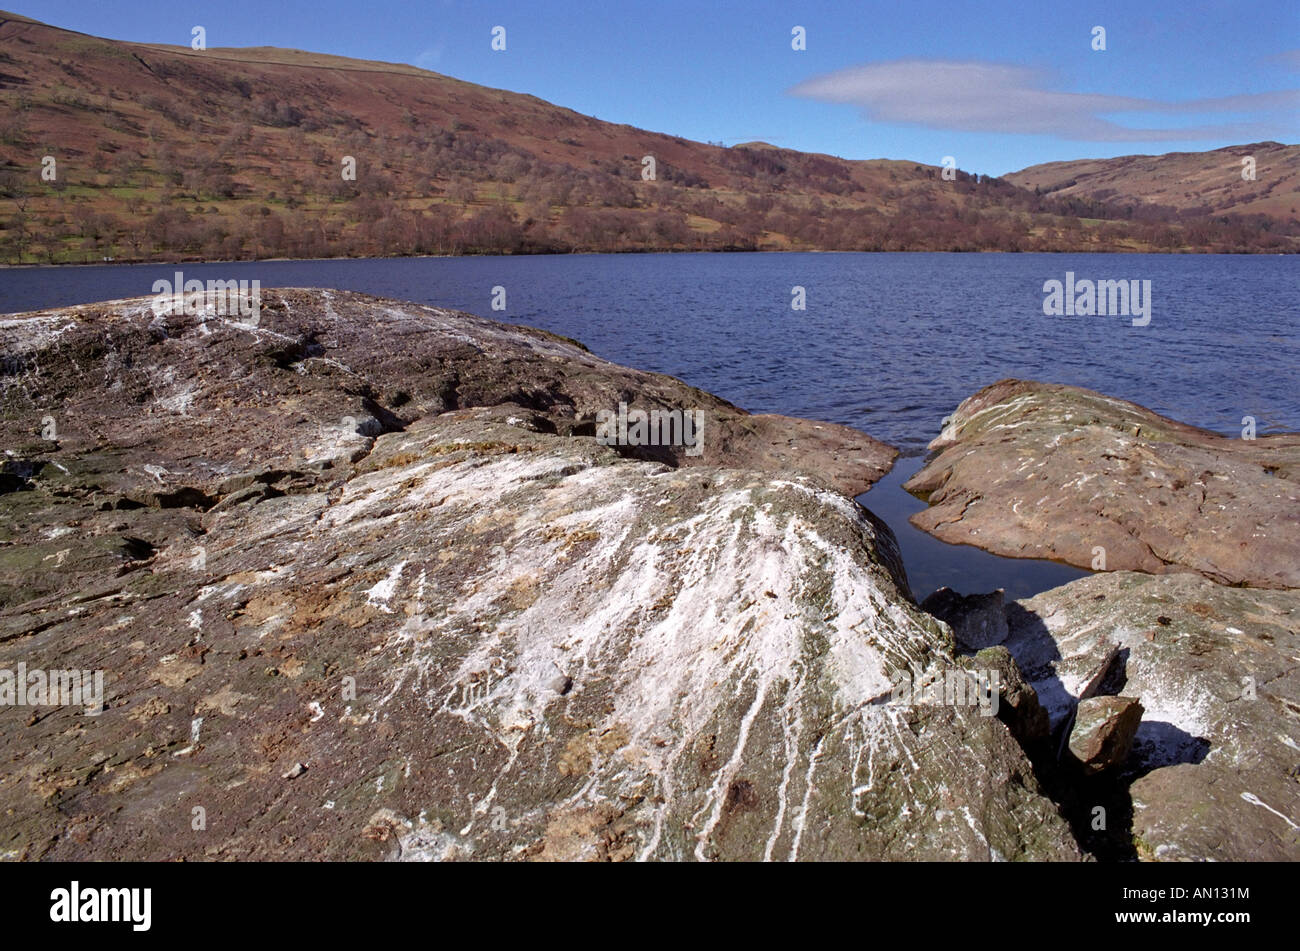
column 888, row 343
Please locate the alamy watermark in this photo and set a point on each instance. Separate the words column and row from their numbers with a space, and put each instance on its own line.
column 52, row 688
column 77, row 903
column 242, row 299
column 657, row 427
column 954, row 687
column 1085, row 298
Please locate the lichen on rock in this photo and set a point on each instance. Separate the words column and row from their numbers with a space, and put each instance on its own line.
column 364, row 585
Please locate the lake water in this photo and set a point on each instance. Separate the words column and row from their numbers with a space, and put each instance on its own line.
column 888, row 343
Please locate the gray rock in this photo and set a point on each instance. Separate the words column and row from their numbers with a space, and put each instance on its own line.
column 1103, row 732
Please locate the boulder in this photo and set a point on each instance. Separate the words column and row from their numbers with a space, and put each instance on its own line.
column 1039, row 470
column 1103, row 732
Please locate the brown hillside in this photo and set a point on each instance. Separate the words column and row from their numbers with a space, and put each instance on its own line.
column 164, row 152
column 1207, row 182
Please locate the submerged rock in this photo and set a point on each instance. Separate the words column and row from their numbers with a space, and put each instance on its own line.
column 1038, row 470
column 1212, row 773
column 363, row 586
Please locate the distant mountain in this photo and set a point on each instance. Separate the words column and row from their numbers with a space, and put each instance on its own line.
column 163, row 152
column 1199, row 182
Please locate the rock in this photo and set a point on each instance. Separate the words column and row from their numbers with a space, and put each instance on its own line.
column 399, row 609
column 1212, row 773
column 977, row 620
column 322, row 374
column 1103, row 731
column 1037, row 470
column 1018, row 705
column 297, row 770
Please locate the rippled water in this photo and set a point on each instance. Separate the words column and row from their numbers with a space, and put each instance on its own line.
column 889, row 343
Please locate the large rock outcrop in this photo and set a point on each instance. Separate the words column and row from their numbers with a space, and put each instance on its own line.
column 223, row 403
column 363, row 586
column 1040, row 470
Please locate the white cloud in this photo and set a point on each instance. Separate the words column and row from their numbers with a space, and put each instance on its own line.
column 995, row 97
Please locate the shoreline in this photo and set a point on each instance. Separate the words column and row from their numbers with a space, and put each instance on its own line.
column 403, row 257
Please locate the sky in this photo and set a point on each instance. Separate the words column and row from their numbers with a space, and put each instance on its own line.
column 998, row 86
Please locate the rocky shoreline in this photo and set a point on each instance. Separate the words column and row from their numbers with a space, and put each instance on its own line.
column 364, row 583
column 1041, row 470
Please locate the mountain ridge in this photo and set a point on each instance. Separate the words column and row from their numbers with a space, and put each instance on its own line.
column 167, row 153
column 1277, row 170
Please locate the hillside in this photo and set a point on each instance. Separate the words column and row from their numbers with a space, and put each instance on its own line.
column 165, row 153
column 1189, row 182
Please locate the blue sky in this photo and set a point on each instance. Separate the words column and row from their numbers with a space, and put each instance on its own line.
column 999, row 86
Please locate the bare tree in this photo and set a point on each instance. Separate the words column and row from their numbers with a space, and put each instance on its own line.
column 19, row 194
